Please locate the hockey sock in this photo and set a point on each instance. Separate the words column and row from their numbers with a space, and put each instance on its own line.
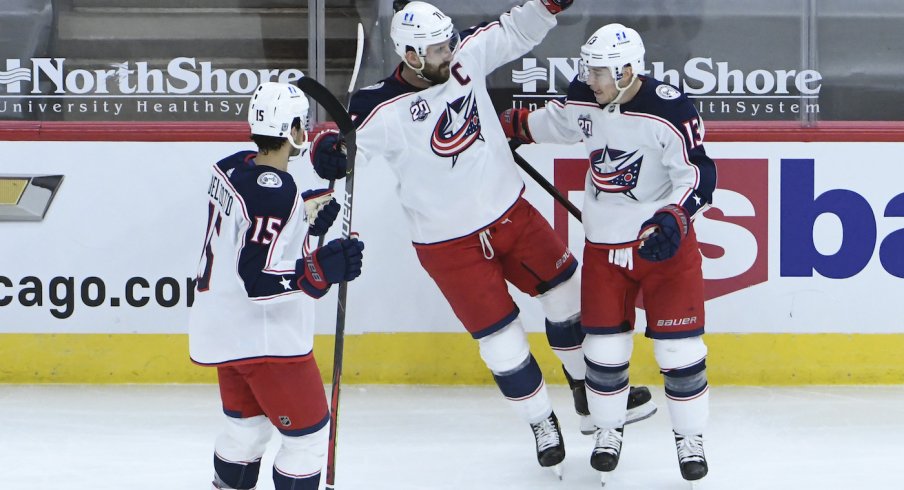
column 299, row 460
column 687, row 394
column 566, row 338
column 236, row 475
column 682, row 363
column 607, row 394
column 607, row 359
column 285, row 481
column 524, row 388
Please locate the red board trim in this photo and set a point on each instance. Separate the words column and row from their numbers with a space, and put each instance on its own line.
column 716, row 131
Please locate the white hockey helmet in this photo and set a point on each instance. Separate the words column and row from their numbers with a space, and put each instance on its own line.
column 612, row 46
column 274, row 106
column 420, row 25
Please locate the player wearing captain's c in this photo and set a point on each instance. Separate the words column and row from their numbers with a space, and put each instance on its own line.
column 462, row 196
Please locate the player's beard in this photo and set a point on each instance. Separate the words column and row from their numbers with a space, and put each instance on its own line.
column 436, row 73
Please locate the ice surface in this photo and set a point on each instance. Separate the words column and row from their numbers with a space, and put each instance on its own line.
column 422, row 437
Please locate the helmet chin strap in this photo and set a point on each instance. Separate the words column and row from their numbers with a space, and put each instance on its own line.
column 621, row 91
column 418, row 72
column 295, row 145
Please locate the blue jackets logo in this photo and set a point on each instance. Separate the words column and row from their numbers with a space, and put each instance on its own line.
column 457, row 129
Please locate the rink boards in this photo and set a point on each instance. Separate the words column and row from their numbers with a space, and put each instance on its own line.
column 803, row 260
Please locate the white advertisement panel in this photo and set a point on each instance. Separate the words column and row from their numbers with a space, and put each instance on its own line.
column 803, row 238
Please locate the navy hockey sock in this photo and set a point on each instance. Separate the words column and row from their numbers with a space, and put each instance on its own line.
column 238, row 476
column 521, row 382
column 283, row 481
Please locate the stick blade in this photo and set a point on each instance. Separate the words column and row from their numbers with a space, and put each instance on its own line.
column 328, row 101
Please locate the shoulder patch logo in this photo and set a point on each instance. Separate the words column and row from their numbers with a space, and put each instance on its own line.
column 586, row 125
column 667, row 92
column 419, row 110
column 269, row 179
column 374, row 86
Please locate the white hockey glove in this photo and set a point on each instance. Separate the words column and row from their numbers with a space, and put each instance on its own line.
column 622, row 257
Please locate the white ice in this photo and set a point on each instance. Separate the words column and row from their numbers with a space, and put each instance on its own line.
column 397, row 437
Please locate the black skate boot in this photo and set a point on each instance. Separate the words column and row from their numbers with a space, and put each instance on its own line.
column 691, row 458
column 640, row 404
column 579, row 392
column 606, row 451
column 550, row 444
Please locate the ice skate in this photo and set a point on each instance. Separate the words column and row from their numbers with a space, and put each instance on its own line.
column 691, row 457
column 550, row 445
column 640, row 404
column 606, row 451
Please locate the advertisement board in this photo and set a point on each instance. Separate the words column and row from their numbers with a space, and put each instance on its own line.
column 802, row 238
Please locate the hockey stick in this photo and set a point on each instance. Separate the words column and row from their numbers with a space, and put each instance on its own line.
column 359, row 55
column 545, row 184
column 347, row 128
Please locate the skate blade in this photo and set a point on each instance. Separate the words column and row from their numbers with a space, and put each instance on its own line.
column 557, row 470
column 642, row 412
column 604, row 477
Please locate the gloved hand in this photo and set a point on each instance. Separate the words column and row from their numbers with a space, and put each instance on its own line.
column 622, row 257
column 328, row 156
column 321, row 210
column 337, row 261
column 514, row 124
column 662, row 233
column 556, row 6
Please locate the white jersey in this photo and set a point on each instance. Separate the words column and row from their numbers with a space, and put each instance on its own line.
column 444, row 143
column 247, row 308
column 644, row 155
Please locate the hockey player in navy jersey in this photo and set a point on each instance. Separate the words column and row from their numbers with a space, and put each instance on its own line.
column 649, row 177
column 433, row 123
column 253, row 315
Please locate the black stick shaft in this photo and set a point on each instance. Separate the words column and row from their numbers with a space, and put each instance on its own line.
column 545, row 184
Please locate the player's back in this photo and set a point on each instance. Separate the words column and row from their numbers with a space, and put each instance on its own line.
column 247, row 264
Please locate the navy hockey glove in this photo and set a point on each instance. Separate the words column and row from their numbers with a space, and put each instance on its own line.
column 556, row 6
column 514, row 124
column 662, row 233
column 328, row 156
column 337, row 261
column 321, row 210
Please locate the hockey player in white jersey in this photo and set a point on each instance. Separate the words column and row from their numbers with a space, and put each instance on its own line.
column 432, row 121
column 253, row 316
column 649, row 177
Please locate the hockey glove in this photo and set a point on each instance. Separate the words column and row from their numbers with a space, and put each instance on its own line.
column 556, row 6
column 337, row 261
column 328, row 156
column 662, row 233
column 321, row 210
column 514, row 124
